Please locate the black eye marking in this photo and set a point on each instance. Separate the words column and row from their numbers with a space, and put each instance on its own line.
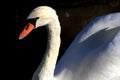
column 37, row 17
column 32, row 20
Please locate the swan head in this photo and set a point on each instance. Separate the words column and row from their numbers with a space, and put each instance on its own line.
column 39, row 16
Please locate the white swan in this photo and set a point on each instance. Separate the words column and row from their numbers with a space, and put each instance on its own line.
column 93, row 55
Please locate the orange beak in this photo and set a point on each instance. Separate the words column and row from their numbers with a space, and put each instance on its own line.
column 28, row 28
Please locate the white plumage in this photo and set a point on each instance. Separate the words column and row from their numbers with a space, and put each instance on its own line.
column 94, row 54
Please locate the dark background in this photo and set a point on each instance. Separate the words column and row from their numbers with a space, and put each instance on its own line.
column 23, row 56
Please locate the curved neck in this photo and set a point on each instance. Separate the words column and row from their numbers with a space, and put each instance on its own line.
column 53, row 45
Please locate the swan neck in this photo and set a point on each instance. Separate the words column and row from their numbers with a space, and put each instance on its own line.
column 53, row 45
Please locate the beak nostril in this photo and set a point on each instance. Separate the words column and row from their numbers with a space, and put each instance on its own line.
column 27, row 26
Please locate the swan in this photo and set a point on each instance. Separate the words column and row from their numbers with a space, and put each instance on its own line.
column 94, row 54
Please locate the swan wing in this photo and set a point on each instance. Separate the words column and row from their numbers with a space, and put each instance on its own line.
column 116, row 78
column 93, row 51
